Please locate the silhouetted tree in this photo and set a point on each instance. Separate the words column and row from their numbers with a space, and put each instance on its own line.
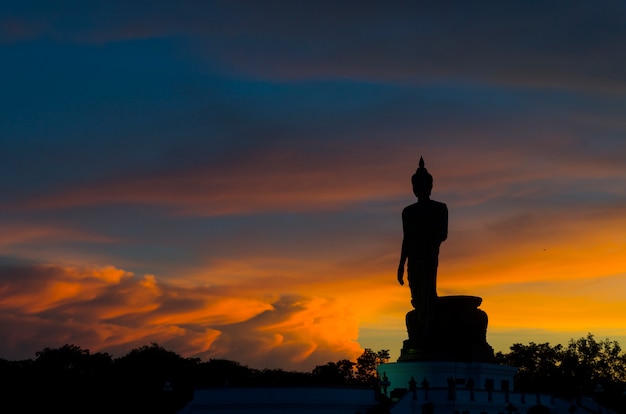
column 539, row 366
column 17, row 385
column 367, row 363
column 68, row 378
column 153, row 379
column 590, row 365
column 334, row 373
column 223, row 373
column 581, row 368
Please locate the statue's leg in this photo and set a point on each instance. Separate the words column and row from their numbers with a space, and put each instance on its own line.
column 417, row 319
column 430, row 295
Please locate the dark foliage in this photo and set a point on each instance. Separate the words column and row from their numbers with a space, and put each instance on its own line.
column 586, row 367
column 366, row 366
column 152, row 379
column 148, row 379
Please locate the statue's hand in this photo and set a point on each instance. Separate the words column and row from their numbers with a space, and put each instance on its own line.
column 401, row 275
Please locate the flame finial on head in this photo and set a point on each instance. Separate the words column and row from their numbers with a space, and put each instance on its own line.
column 422, row 180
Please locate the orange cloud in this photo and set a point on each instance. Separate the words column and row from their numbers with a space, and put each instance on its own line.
column 297, row 330
column 108, row 309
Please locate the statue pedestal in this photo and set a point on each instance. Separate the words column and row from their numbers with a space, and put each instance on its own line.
column 457, row 332
column 447, row 365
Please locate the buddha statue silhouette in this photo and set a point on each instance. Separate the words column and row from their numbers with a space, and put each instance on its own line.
column 425, row 227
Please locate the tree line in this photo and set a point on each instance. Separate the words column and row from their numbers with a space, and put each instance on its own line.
column 584, row 367
column 153, row 379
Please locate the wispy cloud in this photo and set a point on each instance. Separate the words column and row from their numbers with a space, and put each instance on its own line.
column 108, row 309
column 555, row 45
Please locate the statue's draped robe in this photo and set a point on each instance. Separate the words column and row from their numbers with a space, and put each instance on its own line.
column 425, row 226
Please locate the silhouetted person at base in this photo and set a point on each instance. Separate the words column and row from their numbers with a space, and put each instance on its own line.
column 425, row 227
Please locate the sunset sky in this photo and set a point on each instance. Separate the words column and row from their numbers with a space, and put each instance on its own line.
column 226, row 178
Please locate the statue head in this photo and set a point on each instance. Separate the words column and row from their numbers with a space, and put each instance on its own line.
column 422, row 181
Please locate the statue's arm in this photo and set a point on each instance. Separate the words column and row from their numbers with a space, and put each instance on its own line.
column 403, row 257
column 443, row 235
column 403, row 253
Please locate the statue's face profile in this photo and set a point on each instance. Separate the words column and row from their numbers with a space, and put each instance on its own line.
column 422, row 185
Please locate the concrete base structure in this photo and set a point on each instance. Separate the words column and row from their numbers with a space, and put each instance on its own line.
column 433, row 387
column 438, row 374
